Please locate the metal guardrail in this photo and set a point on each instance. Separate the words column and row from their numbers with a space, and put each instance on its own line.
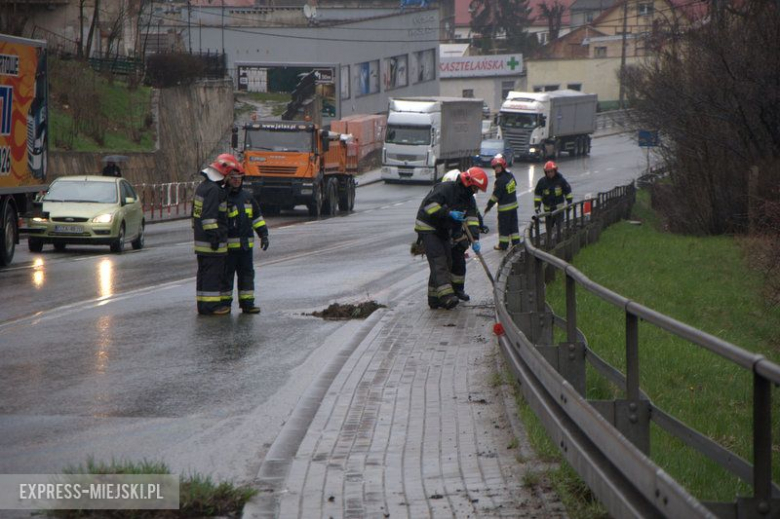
column 168, row 200
column 607, row 441
column 613, row 119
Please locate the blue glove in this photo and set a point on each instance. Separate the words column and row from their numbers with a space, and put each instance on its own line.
column 458, row 216
column 476, row 247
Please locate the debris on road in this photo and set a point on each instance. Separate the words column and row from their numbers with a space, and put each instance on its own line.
column 338, row 311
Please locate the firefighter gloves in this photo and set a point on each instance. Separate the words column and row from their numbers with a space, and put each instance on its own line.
column 458, row 216
column 476, row 247
column 264, row 243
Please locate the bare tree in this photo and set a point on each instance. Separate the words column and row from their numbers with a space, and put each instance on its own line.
column 92, row 27
column 552, row 11
column 713, row 92
column 503, row 25
column 115, row 30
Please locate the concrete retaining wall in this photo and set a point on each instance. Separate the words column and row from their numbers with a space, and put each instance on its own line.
column 190, row 120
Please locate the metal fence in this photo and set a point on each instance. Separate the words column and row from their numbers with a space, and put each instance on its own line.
column 166, row 201
column 614, row 119
column 608, row 441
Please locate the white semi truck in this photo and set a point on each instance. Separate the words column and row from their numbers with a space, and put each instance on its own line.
column 540, row 125
column 428, row 136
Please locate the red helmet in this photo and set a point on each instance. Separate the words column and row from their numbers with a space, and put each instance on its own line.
column 225, row 163
column 498, row 160
column 550, row 166
column 475, row 177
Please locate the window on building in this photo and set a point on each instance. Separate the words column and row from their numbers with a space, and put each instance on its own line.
column 506, row 87
column 543, row 37
column 467, row 93
column 344, row 83
column 574, row 86
column 600, row 52
column 396, row 72
column 424, row 66
column 645, row 9
column 550, row 88
column 589, row 16
column 366, row 78
column 538, row 89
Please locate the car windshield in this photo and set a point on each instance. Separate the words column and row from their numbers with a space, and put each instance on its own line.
column 82, row 191
column 408, row 134
column 524, row 121
column 283, row 140
column 491, row 148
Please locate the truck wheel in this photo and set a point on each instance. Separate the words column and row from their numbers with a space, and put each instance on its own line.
column 34, row 244
column 8, row 236
column 315, row 205
column 330, row 204
column 347, row 198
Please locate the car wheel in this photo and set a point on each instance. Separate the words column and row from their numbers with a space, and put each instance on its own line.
column 138, row 243
column 119, row 244
column 34, row 244
column 59, row 247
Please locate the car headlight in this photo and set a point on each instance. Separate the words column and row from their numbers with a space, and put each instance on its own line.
column 103, row 218
column 39, row 219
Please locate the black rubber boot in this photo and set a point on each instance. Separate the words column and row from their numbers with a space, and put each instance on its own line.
column 433, row 303
column 450, row 301
column 463, row 296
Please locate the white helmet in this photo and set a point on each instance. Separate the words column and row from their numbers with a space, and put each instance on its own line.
column 451, row 176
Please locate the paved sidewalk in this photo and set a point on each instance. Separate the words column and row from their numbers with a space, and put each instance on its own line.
column 412, row 425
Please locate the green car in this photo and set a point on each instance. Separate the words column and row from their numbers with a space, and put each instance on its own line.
column 88, row 210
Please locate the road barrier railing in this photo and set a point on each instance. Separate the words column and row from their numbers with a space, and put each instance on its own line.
column 608, row 441
column 167, row 200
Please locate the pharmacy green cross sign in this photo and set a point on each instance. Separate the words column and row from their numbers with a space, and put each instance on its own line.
column 512, row 63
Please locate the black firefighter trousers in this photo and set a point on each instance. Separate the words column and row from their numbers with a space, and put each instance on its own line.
column 208, row 284
column 439, row 254
column 241, row 263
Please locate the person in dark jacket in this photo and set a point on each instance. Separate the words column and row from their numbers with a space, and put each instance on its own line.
column 551, row 191
column 447, row 206
column 505, row 195
column 209, row 224
column 244, row 220
column 112, row 170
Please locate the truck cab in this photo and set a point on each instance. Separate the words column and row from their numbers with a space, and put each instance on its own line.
column 290, row 163
column 411, row 146
column 523, row 123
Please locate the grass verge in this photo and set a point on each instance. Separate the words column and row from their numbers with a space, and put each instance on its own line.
column 707, row 283
column 199, row 496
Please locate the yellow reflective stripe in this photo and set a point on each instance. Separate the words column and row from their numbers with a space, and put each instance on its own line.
column 210, row 226
column 206, row 221
column 234, row 245
column 432, row 207
column 257, row 224
column 459, row 279
column 503, row 239
column 569, row 196
column 419, row 225
column 233, row 214
column 507, row 207
column 443, row 290
column 223, row 207
column 515, row 236
column 537, row 199
column 250, row 295
column 208, row 299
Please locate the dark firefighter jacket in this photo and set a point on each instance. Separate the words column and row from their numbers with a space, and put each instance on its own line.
column 209, row 218
column 244, row 220
column 504, row 192
column 434, row 213
column 551, row 192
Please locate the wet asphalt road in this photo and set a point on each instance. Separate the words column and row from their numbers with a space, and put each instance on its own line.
column 104, row 355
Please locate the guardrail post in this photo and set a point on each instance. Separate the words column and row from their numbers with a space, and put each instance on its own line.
column 762, row 440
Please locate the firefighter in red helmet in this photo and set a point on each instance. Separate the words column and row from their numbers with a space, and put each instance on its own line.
column 446, row 207
column 551, row 192
column 505, row 195
column 209, row 223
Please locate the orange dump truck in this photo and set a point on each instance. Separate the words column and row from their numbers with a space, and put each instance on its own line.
column 290, row 163
column 23, row 135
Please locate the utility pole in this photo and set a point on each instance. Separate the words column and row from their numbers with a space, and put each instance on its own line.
column 223, row 27
column 621, row 104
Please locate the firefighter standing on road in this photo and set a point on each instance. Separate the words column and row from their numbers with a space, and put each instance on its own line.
column 209, row 223
column 244, row 220
column 443, row 209
column 551, row 190
column 505, row 195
